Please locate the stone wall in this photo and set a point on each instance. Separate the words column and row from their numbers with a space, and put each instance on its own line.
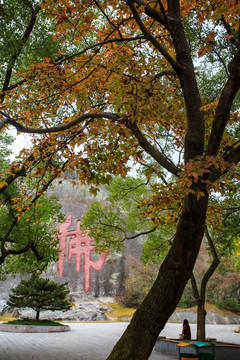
column 109, row 280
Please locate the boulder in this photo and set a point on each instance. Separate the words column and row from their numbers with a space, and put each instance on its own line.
column 4, row 308
column 84, row 312
column 3, row 304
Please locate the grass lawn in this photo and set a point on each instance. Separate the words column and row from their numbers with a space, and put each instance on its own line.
column 34, row 322
column 119, row 312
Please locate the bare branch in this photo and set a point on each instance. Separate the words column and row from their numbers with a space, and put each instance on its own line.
column 150, row 37
column 151, row 150
column 14, row 86
column 222, row 61
column 125, row 190
column 141, row 233
column 21, row 44
column 110, row 22
column 116, row 40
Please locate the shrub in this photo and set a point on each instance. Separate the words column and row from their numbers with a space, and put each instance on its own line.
column 184, row 302
column 231, row 305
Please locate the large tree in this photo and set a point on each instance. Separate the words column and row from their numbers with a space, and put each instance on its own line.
column 122, row 86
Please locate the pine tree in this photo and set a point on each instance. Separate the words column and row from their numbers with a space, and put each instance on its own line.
column 40, row 294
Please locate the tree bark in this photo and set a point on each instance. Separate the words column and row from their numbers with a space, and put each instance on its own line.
column 201, row 312
column 150, row 318
column 37, row 314
column 201, row 316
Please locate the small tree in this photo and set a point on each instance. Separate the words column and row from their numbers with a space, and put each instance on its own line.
column 40, row 294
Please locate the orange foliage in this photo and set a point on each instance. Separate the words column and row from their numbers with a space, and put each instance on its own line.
column 108, row 63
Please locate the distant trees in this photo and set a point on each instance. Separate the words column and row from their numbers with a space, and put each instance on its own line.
column 139, row 278
column 40, row 294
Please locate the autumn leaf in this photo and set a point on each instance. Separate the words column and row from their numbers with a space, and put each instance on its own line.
column 3, row 183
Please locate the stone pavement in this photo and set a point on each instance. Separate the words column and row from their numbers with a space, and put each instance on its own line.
column 89, row 341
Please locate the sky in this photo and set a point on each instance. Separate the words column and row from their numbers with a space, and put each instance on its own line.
column 22, row 141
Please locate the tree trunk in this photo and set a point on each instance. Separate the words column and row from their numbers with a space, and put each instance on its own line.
column 201, row 315
column 200, row 296
column 37, row 314
column 150, row 318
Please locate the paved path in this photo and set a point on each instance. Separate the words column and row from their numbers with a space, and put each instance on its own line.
column 89, row 341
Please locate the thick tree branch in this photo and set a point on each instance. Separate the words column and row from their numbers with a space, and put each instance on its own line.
column 173, row 8
column 162, row 160
column 194, row 287
column 143, row 142
column 5, row 253
column 183, row 66
column 226, row 99
column 164, row 73
column 214, row 264
column 5, row 238
column 29, row 246
column 153, row 13
column 35, row 251
column 69, row 125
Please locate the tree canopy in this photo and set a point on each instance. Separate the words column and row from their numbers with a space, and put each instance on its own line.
column 121, row 86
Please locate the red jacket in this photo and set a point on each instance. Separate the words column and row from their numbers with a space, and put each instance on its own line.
column 186, row 332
